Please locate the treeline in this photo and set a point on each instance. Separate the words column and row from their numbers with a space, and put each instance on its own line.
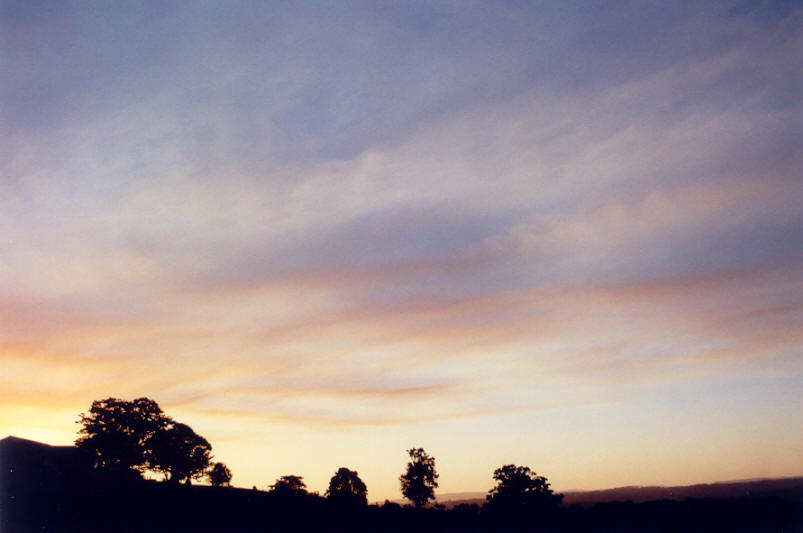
column 134, row 437
column 122, row 440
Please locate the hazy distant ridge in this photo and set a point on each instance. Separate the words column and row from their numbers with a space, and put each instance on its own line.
column 786, row 488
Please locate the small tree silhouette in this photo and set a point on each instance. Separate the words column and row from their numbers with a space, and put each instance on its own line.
column 346, row 487
column 289, row 485
column 219, row 475
column 519, row 488
column 418, row 484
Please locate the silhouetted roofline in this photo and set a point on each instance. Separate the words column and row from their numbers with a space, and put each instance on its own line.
column 11, row 439
column 19, row 441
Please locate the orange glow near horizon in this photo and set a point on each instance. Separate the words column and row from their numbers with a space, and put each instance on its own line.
column 644, row 421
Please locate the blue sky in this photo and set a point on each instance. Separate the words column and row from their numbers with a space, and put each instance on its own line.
column 371, row 226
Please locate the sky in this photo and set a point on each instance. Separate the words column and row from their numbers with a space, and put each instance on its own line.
column 566, row 235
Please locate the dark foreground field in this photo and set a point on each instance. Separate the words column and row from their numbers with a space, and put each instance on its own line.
column 111, row 505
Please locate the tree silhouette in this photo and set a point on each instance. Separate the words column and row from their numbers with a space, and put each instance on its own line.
column 136, row 435
column 346, row 487
column 418, row 484
column 289, row 485
column 219, row 475
column 518, row 487
column 118, row 433
column 179, row 451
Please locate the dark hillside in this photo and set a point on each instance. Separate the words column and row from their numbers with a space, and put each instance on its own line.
column 52, row 488
column 105, row 504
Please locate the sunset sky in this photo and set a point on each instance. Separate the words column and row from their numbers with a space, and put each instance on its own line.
column 566, row 235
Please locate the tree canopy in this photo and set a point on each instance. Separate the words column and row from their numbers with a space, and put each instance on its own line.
column 520, row 487
column 289, row 485
column 219, row 475
column 180, row 452
column 347, row 487
column 119, row 433
column 137, row 435
column 419, row 482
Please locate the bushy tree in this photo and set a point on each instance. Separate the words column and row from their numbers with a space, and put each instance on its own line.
column 180, row 452
column 119, row 433
column 136, row 435
column 288, row 485
column 419, row 482
column 518, row 487
column 346, row 487
column 219, row 475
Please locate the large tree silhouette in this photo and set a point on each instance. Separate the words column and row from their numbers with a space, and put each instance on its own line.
column 136, row 435
column 419, row 482
column 347, row 488
column 119, row 433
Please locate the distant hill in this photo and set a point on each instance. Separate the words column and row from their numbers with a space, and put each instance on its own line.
column 784, row 488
